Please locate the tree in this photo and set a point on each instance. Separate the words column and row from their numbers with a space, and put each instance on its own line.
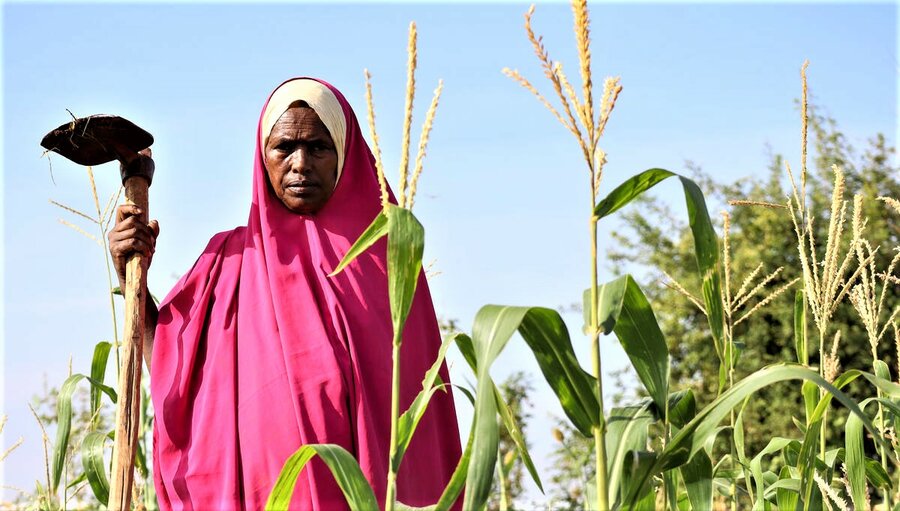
column 573, row 468
column 760, row 235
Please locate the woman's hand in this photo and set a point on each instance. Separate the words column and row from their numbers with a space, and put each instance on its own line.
column 130, row 236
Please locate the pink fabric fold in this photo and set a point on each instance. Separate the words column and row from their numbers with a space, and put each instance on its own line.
column 258, row 352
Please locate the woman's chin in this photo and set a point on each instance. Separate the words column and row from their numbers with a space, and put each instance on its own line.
column 303, row 205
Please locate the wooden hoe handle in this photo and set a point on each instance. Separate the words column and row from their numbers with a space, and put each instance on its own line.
column 129, row 402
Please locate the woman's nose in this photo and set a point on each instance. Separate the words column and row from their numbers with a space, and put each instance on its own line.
column 301, row 160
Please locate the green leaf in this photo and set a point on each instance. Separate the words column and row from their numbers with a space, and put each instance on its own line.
column 637, row 487
column 810, row 393
column 706, row 250
column 98, row 373
column 855, row 458
column 546, row 334
column 787, row 490
column 64, row 424
column 670, row 487
column 343, row 467
column 739, row 434
column 515, row 433
column 877, row 475
column 408, row 421
column 858, row 466
column 464, row 343
column 493, row 328
column 94, row 466
column 844, row 379
column 806, row 464
column 682, row 407
column 374, row 232
column 800, row 345
column 775, row 444
column 406, row 243
column 706, row 245
column 458, row 480
column 698, row 478
column 881, row 370
column 75, row 482
column 626, row 431
column 692, row 436
column 629, row 190
column 624, row 309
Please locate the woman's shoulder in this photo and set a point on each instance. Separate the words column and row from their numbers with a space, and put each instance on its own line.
column 218, row 249
column 225, row 240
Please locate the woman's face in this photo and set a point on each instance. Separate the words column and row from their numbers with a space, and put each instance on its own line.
column 301, row 160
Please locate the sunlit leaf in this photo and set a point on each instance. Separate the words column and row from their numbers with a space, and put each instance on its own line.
column 406, row 243
column 637, row 489
column 698, row 478
column 682, row 407
column 94, row 465
column 624, row 309
column 691, row 438
column 408, row 421
column 64, row 423
column 706, row 245
column 546, row 334
column 627, row 431
column 374, row 232
column 344, row 468
column 464, row 343
column 98, row 373
column 787, row 490
column 775, row 444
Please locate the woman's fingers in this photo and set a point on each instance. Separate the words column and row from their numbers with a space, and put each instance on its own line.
column 126, row 210
column 126, row 247
column 130, row 235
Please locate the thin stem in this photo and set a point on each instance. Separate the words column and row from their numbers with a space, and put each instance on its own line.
column 504, row 494
column 600, row 429
column 112, row 301
column 667, row 431
column 824, row 427
column 733, row 458
column 881, row 451
column 103, row 226
column 390, row 496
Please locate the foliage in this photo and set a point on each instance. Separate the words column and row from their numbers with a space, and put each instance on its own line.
column 759, row 234
column 572, row 468
column 670, row 449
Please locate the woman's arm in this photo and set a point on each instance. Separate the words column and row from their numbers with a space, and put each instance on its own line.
column 128, row 237
column 150, row 318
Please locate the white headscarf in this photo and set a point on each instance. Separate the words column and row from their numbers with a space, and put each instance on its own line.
column 319, row 98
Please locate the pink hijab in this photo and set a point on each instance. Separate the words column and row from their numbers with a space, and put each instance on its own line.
column 258, row 352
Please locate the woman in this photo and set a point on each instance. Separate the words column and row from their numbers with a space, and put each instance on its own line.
column 257, row 351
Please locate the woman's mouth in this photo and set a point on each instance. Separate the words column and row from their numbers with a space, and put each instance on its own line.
column 302, row 188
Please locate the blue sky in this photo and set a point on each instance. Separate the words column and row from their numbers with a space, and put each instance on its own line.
column 504, row 196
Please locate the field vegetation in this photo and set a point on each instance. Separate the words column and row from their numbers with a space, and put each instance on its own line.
column 728, row 324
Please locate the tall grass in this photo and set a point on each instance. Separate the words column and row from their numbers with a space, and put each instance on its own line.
column 587, row 130
column 658, row 452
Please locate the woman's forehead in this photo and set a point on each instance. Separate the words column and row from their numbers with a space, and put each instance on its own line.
column 320, row 98
column 302, row 121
